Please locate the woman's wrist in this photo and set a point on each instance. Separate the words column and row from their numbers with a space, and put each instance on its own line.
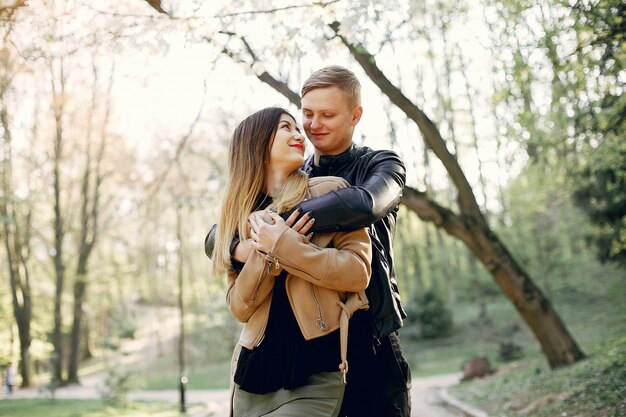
column 242, row 250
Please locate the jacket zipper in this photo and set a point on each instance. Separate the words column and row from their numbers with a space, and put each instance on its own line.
column 269, row 264
column 269, row 271
column 320, row 319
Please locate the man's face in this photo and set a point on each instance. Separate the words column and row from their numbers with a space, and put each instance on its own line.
column 329, row 119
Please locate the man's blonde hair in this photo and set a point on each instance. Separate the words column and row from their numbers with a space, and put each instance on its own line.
column 335, row 75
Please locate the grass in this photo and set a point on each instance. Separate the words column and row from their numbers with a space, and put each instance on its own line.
column 595, row 387
column 87, row 408
column 164, row 375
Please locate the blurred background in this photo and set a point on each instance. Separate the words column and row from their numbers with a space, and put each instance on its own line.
column 511, row 238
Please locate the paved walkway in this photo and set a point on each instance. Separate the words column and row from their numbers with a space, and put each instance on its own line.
column 428, row 394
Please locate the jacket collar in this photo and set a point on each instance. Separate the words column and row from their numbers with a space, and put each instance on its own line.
column 332, row 161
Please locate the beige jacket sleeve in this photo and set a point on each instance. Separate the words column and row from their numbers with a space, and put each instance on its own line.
column 346, row 266
column 248, row 288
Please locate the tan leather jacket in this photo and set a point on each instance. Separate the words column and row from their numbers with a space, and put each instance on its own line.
column 322, row 275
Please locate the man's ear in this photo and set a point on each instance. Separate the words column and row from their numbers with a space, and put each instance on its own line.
column 356, row 115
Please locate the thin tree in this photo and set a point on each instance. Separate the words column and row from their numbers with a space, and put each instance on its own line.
column 89, row 219
column 57, row 81
column 16, row 233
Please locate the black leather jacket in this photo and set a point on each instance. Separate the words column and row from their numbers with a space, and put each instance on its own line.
column 377, row 178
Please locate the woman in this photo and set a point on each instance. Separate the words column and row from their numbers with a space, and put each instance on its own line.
column 295, row 292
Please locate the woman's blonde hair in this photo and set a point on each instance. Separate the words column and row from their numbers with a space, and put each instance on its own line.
column 249, row 152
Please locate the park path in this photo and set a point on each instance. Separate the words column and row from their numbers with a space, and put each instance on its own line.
column 428, row 394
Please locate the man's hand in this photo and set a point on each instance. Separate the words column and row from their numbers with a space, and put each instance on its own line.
column 303, row 225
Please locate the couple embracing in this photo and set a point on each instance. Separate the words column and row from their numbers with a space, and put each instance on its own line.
column 307, row 248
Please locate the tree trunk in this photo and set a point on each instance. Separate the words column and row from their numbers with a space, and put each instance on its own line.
column 59, row 267
column 477, row 288
column 470, row 226
column 181, row 298
column 89, row 213
column 448, row 286
column 16, row 245
column 74, row 355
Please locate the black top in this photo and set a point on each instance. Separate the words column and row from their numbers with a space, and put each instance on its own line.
column 284, row 359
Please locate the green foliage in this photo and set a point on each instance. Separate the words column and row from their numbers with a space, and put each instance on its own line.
column 434, row 318
column 593, row 387
column 588, row 296
column 577, row 139
column 118, row 384
column 510, row 351
column 544, row 229
column 602, row 194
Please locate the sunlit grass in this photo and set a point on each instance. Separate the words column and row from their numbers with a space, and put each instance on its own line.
column 88, row 408
column 591, row 388
column 164, row 374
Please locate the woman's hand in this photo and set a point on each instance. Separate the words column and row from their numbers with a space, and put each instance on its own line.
column 265, row 228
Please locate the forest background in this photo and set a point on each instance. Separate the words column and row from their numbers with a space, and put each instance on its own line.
column 115, row 118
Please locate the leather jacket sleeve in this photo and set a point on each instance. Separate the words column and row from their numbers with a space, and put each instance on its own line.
column 209, row 245
column 362, row 205
column 209, row 242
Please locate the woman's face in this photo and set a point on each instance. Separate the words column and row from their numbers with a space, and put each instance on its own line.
column 287, row 149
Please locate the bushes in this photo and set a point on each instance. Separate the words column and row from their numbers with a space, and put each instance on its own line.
column 433, row 317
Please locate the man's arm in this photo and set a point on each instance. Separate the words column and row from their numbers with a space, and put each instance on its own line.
column 209, row 245
column 360, row 206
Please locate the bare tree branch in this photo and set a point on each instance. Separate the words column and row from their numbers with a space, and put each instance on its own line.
column 278, row 9
column 264, row 76
column 170, row 15
column 158, row 183
column 156, row 5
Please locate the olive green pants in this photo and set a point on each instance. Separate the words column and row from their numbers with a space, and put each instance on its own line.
column 320, row 397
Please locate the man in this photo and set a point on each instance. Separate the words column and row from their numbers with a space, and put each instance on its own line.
column 379, row 376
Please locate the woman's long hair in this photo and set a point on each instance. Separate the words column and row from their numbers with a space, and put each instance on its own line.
column 249, row 151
